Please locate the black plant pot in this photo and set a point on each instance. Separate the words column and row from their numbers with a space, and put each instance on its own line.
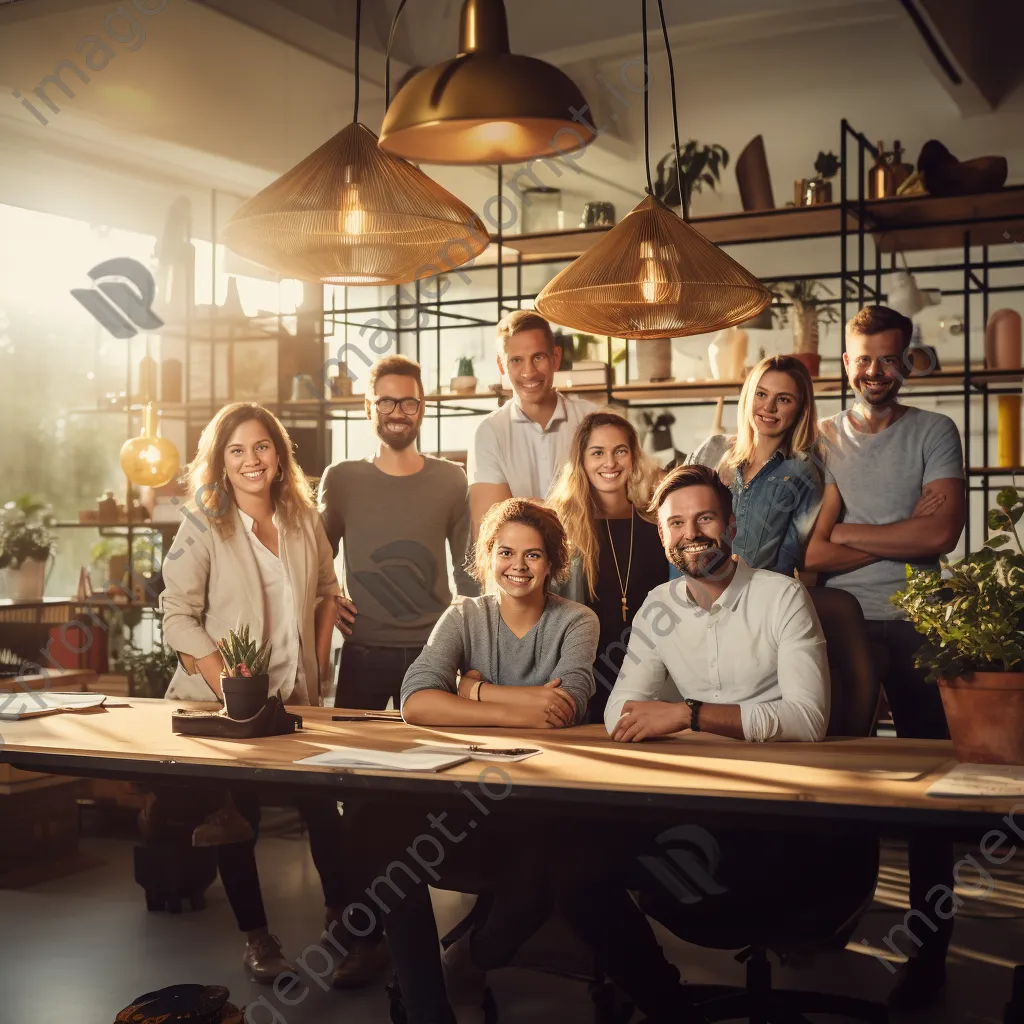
column 244, row 696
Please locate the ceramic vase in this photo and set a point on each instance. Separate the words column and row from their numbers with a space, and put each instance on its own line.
column 654, row 360
column 1003, row 340
column 27, row 582
column 727, row 354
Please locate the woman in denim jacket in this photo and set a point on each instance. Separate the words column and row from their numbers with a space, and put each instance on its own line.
column 771, row 465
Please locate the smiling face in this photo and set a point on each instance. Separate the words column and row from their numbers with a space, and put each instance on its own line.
column 874, row 364
column 695, row 533
column 776, row 405
column 519, row 562
column 607, row 459
column 250, row 459
column 530, row 365
column 397, row 428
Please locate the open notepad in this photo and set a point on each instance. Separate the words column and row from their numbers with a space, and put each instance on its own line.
column 412, row 759
column 15, row 706
column 980, row 780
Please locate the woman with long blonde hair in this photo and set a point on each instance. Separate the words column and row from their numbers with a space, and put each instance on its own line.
column 770, row 464
column 252, row 551
column 601, row 498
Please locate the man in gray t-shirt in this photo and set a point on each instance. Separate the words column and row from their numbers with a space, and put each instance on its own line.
column 894, row 496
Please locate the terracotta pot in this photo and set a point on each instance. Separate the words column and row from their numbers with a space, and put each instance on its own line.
column 244, row 696
column 986, row 717
column 811, row 360
column 463, row 385
column 1003, row 340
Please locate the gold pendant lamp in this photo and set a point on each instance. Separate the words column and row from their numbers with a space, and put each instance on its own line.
column 486, row 105
column 653, row 275
column 352, row 214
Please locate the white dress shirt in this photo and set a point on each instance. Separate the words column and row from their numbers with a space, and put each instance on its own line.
column 287, row 679
column 509, row 448
column 760, row 646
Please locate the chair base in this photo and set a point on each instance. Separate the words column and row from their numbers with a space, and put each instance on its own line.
column 759, row 1003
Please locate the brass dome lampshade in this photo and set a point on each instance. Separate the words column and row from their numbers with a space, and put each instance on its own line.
column 486, row 105
column 653, row 275
column 352, row 214
column 148, row 460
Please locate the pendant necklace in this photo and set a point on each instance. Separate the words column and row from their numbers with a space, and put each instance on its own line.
column 629, row 565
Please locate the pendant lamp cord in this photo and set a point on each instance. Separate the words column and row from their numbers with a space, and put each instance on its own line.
column 359, row 19
column 675, row 113
column 387, row 56
column 647, row 93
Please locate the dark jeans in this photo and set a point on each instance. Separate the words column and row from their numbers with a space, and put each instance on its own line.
column 369, row 676
column 470, row 855
column 917, row 713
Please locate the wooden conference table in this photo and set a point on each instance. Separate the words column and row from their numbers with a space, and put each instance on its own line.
column 878, row 784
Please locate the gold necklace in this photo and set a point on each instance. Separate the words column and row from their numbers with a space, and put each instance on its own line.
column 615, row 557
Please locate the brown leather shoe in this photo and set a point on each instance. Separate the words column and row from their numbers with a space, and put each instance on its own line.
column 225, row 826
column 366, row 961
column 264, row 960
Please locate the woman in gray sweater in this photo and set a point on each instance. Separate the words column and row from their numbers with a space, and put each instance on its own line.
column 519, row 657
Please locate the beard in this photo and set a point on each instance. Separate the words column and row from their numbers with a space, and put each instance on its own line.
column 399, row 440
column 879, row 398
column 707, row 564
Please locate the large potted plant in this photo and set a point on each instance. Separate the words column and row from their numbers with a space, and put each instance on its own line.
column 972, row 618
column 27, row 541
column 700, row 165
column 808, row 309
column 244, row 681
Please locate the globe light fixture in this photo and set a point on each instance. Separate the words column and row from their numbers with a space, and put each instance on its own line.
column 148, row 460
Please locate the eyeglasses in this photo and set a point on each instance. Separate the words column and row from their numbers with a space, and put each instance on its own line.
column 410, row 406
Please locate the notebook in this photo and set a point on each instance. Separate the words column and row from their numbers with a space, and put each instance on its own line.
column 412, row 759
column 980, row 780
column 15, row 706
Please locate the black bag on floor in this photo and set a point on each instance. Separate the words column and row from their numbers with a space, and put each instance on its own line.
column 182, row 1004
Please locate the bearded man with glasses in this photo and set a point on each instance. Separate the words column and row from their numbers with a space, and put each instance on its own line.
column 395, row 512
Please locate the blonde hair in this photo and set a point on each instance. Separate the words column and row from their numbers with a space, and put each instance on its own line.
column 212, row 492
column 529, row 513
column 523, row 320
column 800, row 440
column 572, row 497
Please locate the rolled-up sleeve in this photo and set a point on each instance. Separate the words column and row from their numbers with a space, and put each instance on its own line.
column 576, row 656
column 442, row 658
column 802, row 712
column 643, row 675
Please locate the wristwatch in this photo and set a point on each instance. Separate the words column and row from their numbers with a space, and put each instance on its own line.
column 694, row 706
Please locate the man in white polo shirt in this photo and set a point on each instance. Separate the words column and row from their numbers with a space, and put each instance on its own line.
column 519, row 449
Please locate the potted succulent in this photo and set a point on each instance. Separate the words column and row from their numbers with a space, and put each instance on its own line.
column 972, row 618
column 812, row 191
column 807, row 310
column 700, row 165
column 27, row 542
column 244, row 681
column 464, row 381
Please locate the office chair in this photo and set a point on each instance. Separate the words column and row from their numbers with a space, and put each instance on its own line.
column 822, row 893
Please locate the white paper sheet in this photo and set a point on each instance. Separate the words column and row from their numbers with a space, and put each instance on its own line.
column 980, row 780
column 412, row 759
column 15, row 706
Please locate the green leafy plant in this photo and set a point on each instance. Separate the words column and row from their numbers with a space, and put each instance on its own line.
column 149, row 672
column 464, row 367
column 700, row 165
column 972, row 613
column 827, row 165
column 242, row 655
column 804, row 294
column 26, row 532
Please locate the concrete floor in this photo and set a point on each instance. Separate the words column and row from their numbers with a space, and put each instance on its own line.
column 78, row 949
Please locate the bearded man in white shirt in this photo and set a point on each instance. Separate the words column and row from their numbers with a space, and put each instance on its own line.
column 724, row 649
column 742, row 647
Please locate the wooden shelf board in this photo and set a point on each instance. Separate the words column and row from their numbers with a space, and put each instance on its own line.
column 996, row 471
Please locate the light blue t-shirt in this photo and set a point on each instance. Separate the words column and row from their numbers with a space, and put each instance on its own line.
column 880, row 479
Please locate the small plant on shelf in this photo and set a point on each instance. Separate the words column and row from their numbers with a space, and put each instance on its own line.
column 700, row 165
column 464, row 381
column 243, row 656
column 149, row 672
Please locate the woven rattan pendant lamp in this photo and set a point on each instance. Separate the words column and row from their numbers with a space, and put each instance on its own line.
column 352, row 214
column 486, row 105
column 653, row 275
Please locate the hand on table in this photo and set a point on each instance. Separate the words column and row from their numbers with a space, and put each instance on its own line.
column 645, row 719
column 345, row 614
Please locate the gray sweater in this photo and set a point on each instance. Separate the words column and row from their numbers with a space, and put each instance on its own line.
column 471, row 635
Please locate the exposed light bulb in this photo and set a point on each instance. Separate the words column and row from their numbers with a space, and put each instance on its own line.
column 148, row 460
column 659, row 276
column 351, row 215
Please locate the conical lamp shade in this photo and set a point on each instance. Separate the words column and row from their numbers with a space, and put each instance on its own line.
column 352, row 214
column 487, row 105
column 652, row 276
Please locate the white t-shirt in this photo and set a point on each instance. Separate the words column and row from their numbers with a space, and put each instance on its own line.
column 287, row 678
column 509, row 448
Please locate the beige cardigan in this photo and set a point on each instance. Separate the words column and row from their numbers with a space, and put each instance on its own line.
column 213, row 585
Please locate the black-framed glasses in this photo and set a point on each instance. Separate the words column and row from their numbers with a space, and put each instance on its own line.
column 409, row 406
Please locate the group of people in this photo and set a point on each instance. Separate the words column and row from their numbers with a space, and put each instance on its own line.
column 588, row 591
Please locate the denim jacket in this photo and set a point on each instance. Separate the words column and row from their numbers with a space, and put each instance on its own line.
column 774, row 512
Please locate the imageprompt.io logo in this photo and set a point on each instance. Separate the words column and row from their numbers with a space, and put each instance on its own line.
column 121, row 309
column 686, row 867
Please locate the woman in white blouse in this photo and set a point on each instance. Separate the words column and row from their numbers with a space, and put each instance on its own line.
column 252, row 550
